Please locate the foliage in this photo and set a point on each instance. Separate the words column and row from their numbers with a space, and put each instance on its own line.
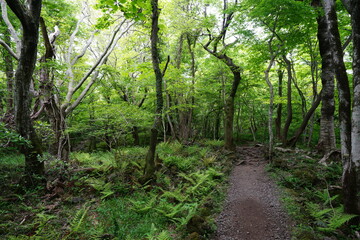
column 10, row 140
column 97, row 195
column 311, row 195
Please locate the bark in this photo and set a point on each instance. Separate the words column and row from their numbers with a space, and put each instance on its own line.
column 314, row 79
column 271, row 106
column 271, row 92
column 342, row 81
column 150, row 157
column 279, row 106
column 300, row 92
column 46, row 86
column 29, row 17
column 292, row 142
column 327, row 131
column 229, row 111
column 9, row 72
column 289, row 101
column 351, row 174
column 350, row 170
column 135, row 134
column 217, row 125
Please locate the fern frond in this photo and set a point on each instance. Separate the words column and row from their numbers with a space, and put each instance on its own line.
column 164, row 235
column 78, row 219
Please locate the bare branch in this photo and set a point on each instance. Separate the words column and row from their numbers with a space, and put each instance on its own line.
column 83, row 93
column 10, row 27
column 73, row 35
column 48, row 43
column 110, row 47
column 85, row 48
column 106, row 52
column 8, row 48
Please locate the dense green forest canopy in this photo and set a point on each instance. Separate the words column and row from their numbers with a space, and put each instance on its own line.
column 99, row 75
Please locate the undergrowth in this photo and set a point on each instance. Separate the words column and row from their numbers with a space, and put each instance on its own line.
column 312, row 195
column 98, row 195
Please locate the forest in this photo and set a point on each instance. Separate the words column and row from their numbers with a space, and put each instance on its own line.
column 127, row 119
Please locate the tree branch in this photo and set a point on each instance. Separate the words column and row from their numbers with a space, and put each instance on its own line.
column 10, row 27
column 20, row 11
column 48, row 45
column 85, row 48
column 73, row 35
column 110, row 47
column 106, row 52
column 166, row 65
column 8, row 48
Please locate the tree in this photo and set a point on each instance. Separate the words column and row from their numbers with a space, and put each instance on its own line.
column 212, row 46
column 351, row 172
column 327, row 132
column 29, row 15
column 150, row 157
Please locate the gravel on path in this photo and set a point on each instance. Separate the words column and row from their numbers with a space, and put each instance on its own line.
column 252, row 210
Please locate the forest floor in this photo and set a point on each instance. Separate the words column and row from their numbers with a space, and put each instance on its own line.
column 252, row 209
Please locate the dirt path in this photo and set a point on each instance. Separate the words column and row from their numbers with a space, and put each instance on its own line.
column 252, row 210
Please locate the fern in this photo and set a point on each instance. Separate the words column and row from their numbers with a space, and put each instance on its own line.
column 177, row 194
column 141, row 206
column 168, row 210
column 191, row 210
column 183, row 175
column 164, row 235
column 337, row 220
column 77, row 221
column 41, row 221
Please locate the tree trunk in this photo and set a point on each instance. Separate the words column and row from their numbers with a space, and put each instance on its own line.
column 289, row 99
column 292, row 142
column 229, row 112
column 351, row 174
column 8, row 107
column 135, row 134
column 235, row 69
column 150, row 157
column 24, row 125
column 9, row 72
column 327, row 132
column 279, row 106
column 342, row 81
column 271, row 106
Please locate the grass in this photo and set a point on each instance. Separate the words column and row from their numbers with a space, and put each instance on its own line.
column 98, row 196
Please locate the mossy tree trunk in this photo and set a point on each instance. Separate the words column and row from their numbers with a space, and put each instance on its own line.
column 327, row 132
column 29, row 15
column 150, row 157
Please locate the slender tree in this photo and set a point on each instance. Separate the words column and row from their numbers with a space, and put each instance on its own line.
column 212, row 46
column 150, row 157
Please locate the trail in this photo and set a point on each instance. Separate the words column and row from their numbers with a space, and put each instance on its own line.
column 252, row 209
